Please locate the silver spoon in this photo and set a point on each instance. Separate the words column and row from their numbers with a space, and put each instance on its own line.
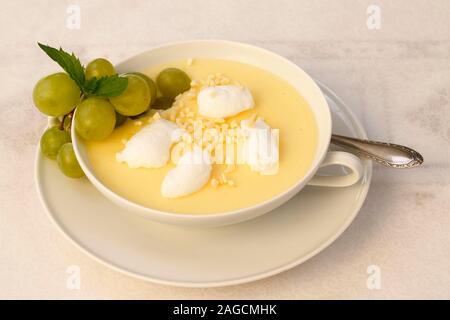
column 388, row 154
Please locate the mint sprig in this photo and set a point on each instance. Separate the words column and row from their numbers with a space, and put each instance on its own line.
column 69, row 62
column 110, row 86
column 105, row 87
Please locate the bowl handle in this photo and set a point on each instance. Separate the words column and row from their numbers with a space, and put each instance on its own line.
column 350, row 162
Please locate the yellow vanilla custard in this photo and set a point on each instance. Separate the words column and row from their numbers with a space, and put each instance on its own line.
column 231, row 187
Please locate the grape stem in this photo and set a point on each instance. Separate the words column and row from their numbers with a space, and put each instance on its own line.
column 70, row 115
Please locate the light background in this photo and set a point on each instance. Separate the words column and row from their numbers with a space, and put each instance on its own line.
column 396, row 80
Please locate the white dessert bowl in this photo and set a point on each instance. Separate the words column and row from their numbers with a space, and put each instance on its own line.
column 264, row 59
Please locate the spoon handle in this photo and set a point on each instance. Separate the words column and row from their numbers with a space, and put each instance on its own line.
column 388, row 154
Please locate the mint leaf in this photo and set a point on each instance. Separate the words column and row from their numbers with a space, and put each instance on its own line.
column 105, row 87
column 90, row 86
column 110, row 86
column 69, row 62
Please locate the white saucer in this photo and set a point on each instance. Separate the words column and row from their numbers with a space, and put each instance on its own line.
column 195, row 257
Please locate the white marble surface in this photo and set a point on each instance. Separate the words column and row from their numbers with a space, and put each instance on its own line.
column 396, row 79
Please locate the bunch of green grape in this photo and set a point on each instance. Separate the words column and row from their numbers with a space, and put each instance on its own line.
column 58, row 95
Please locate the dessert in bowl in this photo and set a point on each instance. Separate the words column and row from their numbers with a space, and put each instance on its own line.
column 193, row 161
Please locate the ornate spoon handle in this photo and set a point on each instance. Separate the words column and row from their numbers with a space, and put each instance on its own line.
column 388, row 154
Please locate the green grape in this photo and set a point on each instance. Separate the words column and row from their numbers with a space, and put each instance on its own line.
column 52, row 139
column 140, row 115
column 135, row 99
column 143, row 114
column 56, row 94
column 172, row 81
column 95, row 119
column 163, row 103
column 99, row 68
column 120, row 120
column 151, row 85
column 67, row 161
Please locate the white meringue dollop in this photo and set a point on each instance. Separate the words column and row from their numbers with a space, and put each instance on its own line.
column 190, row 175
column 224, row 101
column 150, row 147
column 261, row 147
